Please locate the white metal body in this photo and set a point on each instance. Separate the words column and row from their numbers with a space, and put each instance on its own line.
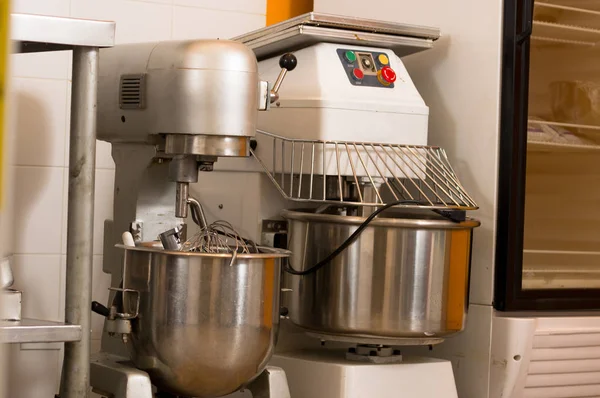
column 318, row 102
column 327, row 374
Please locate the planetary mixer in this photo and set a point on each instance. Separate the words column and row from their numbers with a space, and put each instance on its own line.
column 199, row 322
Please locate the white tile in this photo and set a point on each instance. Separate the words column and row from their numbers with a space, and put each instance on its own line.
column 104, row 158
column 33, row 374
column 56, row 65
column 68, row 119
column 65, row 211
column 58, row 8
column 41, row 123
column 38, row 209
column 62, row 285
column 197, row 23
column 103, row 206
column 245, row 6
column 38, row 276
column 137, row 21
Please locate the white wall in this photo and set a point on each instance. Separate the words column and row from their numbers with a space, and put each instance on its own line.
column 40, row 104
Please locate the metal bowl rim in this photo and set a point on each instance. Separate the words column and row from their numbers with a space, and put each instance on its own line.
column 469, row 223
column 270, row 252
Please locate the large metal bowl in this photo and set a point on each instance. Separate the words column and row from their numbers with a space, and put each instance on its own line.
column 403, row 279
column 205, row 328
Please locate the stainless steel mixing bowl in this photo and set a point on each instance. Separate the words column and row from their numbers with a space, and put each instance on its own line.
column 403, row 278
column 205, row 328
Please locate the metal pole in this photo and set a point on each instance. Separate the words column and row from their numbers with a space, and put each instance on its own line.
column 82, row 158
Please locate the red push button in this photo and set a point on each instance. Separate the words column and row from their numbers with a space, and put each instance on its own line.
column 357, row 74
column 386, row 76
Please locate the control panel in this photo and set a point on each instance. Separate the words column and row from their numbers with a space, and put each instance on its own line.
column 367, row 68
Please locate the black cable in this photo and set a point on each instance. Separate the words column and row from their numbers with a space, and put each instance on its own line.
column 348, row 241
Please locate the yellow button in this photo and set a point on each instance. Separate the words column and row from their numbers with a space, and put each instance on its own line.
column 383, row 59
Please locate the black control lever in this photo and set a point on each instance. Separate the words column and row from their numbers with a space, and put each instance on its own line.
column 100, row 309
column 288, row 63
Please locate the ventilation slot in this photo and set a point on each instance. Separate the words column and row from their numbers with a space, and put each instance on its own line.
column 132, row 90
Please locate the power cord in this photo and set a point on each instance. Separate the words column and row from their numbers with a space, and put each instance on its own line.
column 288, row 267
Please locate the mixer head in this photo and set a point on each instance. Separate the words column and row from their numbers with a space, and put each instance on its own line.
column 193, row 101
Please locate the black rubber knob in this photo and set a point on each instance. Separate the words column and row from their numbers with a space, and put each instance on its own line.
column 100, row 309
column 288, row 61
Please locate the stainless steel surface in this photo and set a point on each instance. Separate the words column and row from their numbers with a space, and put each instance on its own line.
column 207, row 145
column 308, row 29
column 421, row 174
column 44, row 33
column 402, row 278
column 272, row 383
column 205, row 328
column 181, row 199
column 116, row 377
column 183, row 168
column 347, row 23
column 404, row 341
column 195, row 87
column 171, row 239
column 37, row 331
column 198, row 215
column 80, row 220
column 299, row 37
column 277, row 84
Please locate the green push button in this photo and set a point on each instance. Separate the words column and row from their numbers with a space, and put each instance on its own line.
column 350, row 56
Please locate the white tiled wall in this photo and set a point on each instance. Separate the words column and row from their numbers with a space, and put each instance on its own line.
column 40, row 101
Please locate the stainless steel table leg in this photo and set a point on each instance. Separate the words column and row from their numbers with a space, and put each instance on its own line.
column 82, row 157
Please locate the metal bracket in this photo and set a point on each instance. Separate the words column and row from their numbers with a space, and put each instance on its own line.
column 117, row 326
column 126, row 315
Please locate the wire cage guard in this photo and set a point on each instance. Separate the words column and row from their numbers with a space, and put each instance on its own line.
column 361, row 173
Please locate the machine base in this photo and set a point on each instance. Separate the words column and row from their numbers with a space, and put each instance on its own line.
column 116, row 377
column 328, row 374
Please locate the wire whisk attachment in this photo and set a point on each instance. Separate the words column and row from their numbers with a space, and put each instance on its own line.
column 219, row 237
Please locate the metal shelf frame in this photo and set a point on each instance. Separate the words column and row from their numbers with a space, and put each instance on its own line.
column 38, row 331
column 36, row 33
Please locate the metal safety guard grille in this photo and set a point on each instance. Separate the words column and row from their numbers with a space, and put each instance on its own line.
column 361, row 174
